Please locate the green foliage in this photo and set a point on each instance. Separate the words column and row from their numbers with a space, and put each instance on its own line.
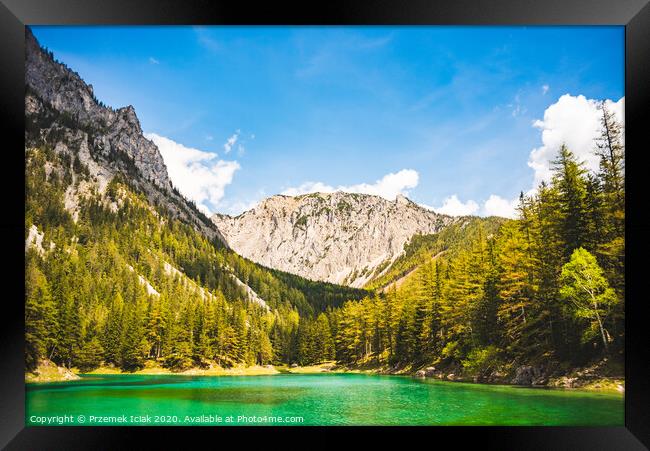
column 584, row 285
column 422, row 248
column 89, row 356
column 480, row 361
column 301, row 222
column 314, row 341
column 548, row 285
column 40, row 314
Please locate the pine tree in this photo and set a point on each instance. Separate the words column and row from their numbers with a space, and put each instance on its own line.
column 114, row 332
column 89, row 355
column 305, row 343
column 594, row 215
column 155, row 329
column 569, row 180
column 484, row 314
column 323, row 340
column 134, row 347
column 39, row 315
column 548, row 330
column 611, row 150
column 516, row 287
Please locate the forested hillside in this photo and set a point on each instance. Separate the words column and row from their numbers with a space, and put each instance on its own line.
column 547, row 288
column 422, row 248
column 121, row 269
column 125, row 283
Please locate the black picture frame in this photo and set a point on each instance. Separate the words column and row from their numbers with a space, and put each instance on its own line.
column 633, row 14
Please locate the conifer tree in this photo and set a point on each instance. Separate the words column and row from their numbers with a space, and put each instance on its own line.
column 39, row 315
column 569, row 181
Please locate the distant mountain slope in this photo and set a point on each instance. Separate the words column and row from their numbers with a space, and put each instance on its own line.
column 79, row 152
column 341, row 238
column 61, row 110
column 424, row 248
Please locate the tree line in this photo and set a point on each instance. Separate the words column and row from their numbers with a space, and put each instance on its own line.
column 124, row 284
column 546, row 287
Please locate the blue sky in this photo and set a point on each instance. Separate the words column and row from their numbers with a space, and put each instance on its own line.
column 453, row 113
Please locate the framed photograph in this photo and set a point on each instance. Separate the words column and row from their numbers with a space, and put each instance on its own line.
column 362, row 215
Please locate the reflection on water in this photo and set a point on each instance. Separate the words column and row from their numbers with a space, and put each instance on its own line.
column 324, row 399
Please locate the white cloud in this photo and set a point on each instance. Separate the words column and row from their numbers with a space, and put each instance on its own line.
column 153, row 60
column 400, row 182
column 310, row 187
column 230, row 142
column 198, row 175
column 545, row 89
column 453, row 206
column 237, row 207
column 388, row 187
column 493, row 206
column 498, row 206
column 574, row 121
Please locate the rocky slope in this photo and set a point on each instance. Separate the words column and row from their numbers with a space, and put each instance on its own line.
column 340, row 237
column 62, row 111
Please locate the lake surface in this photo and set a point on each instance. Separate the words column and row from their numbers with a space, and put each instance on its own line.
column 309, row 399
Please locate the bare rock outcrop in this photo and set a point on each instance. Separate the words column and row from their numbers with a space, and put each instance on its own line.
column 339, row 237
column 61, row 110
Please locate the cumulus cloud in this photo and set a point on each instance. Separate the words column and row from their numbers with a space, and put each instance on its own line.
column 230, row 142
column 498, row 206
column 400, row 182
column 388, row 187
column 493, row 206
column 453, row 206
column 574, row 121
column 200, row 176
column 310, row 187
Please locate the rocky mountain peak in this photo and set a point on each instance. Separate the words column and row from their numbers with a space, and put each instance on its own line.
column 345, row 238
column 62, row 110
column 63, row 90
column 400, row 199
column 128, row 114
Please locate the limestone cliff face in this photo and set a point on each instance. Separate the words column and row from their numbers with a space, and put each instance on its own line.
column 62, row 112
column 340, row 237
column 66, row 92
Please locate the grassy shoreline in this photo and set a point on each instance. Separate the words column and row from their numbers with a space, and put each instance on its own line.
column 48, row 372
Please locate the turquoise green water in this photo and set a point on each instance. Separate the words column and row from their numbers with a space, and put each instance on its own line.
column 309, row 399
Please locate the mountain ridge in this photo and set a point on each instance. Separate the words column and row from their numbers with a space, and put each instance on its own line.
column 339, row 237
column 61, row 107
column 93, row 156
